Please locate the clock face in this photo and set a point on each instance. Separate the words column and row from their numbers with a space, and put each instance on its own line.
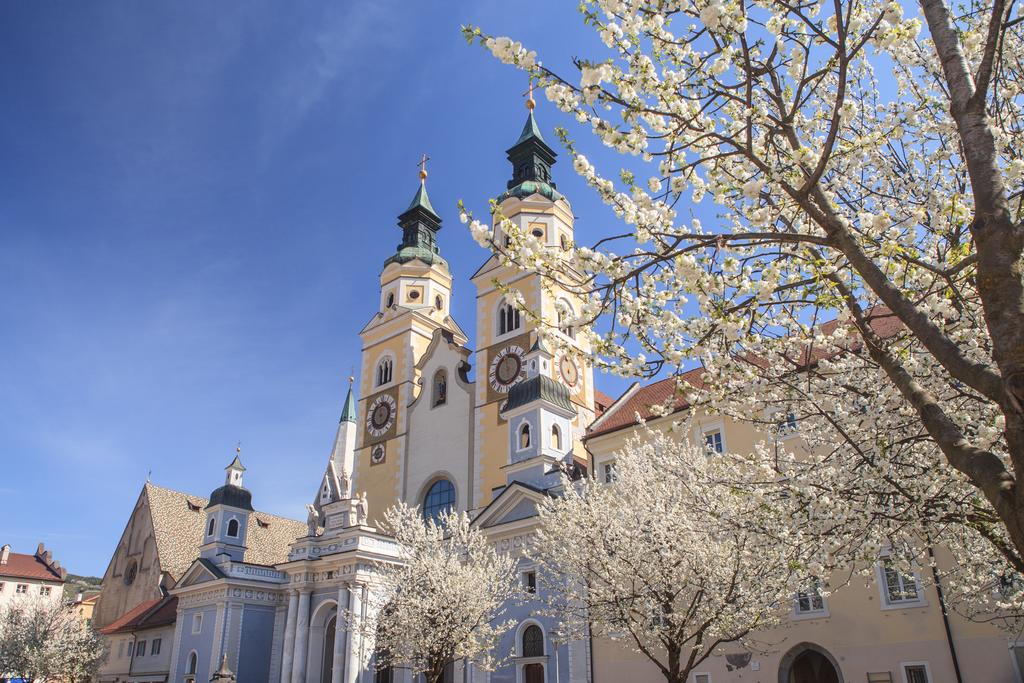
column 381, row 415
column 377, row 455
column 506, row 368
column 569, row 371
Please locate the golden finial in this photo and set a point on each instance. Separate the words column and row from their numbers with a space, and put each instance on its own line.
column 238, row 448
column 530, row 102
column 423, row 167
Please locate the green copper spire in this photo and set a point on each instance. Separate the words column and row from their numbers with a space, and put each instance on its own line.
column 531, row 160
column 419, row 224
column 348, row 413
column 530, row 130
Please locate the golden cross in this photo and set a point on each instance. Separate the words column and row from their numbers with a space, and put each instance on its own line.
column 423, row 166
column 530, row 102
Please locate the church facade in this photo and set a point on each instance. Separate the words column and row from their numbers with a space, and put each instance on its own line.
column 424, row 431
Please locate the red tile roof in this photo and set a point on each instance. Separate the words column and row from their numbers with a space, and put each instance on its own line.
column 148, row 614
column 882, row 321
column 602, row 401
column 22, row 566
column 641, row 401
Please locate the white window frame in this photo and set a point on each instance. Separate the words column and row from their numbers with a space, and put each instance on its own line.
column 522, row 661
column 608, row 471
column 707, row 432
column 883, row 588
column 155, row 646
column 197, row 623
column 45, row 591
column 21, row 589
column 812, row 613
column 523, row 574
column 701, row 677
column 927, row 670
column 519, row 435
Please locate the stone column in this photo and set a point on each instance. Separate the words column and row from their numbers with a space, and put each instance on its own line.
column 339, row 637
column 353, row 665
column 301, row 638
column 289, row 637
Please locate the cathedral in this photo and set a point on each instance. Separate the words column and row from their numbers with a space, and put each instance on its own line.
column 199, row 587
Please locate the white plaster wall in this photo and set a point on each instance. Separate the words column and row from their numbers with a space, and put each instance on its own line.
column 438, row 438
column 9, row 592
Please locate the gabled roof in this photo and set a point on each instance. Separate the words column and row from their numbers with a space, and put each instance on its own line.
column 509, row 497
column 22, row 566
column 178, row 520
column 147, row 614
column 623, row 414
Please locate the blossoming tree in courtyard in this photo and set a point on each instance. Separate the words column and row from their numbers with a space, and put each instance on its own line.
column 45, row 641
column 858, row 271
column 446, row 602
column 667, row 560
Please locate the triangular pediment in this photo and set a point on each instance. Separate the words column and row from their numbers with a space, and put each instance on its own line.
column 516, row 502
column 201, row 571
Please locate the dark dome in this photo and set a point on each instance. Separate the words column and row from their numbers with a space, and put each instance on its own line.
column 234, row 496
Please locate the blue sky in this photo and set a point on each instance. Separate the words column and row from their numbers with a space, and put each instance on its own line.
column 195, row 201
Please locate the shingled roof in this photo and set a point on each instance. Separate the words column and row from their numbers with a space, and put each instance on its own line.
column 178, row 520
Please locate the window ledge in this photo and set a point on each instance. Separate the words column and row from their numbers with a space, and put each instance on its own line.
column 906, row 604
column 807, row 616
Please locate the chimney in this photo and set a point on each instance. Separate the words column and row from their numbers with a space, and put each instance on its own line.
column 78, row 596
column 40, row 549
column 5, row 553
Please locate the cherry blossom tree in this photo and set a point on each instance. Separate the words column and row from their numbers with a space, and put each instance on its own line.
column 668, row 560
column 41, row 640
column 445, row 602
column 858, row 271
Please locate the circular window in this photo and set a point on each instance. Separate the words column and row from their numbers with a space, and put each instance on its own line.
column 538, row 233
column 391, row 300
column 440, row 498
column 131, row 573
column 414, row 295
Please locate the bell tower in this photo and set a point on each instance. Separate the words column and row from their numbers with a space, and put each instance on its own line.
column 415, row 300
column 518, row 309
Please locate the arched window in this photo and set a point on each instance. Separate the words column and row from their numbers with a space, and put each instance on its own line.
column 209, row 529
column 233, row 528
column 193, row 664
column 524, row 436
column 439, row 499
column 533, row 641
column 440, row 395
column 439, row 303
column 508, row 317
column 564, row 313
column 556, row 438
column 384, row 371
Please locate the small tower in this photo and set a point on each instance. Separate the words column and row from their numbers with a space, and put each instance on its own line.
column 336, row 482
column 227, row 517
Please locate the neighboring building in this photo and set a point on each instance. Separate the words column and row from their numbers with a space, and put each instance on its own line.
column 22, row 576
column 85, row 605
column 891, row 630
column 140, row 643
column 163, row 537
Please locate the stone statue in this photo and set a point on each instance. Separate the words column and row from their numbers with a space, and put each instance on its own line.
column 361, row 509
column 345, row 482
column 312, row 519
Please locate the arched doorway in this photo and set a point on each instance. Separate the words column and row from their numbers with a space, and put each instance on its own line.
column 809, row 663
column 328, row 658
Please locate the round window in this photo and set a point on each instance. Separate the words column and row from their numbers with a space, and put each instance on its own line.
column 414, row 295
column 538, row 233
